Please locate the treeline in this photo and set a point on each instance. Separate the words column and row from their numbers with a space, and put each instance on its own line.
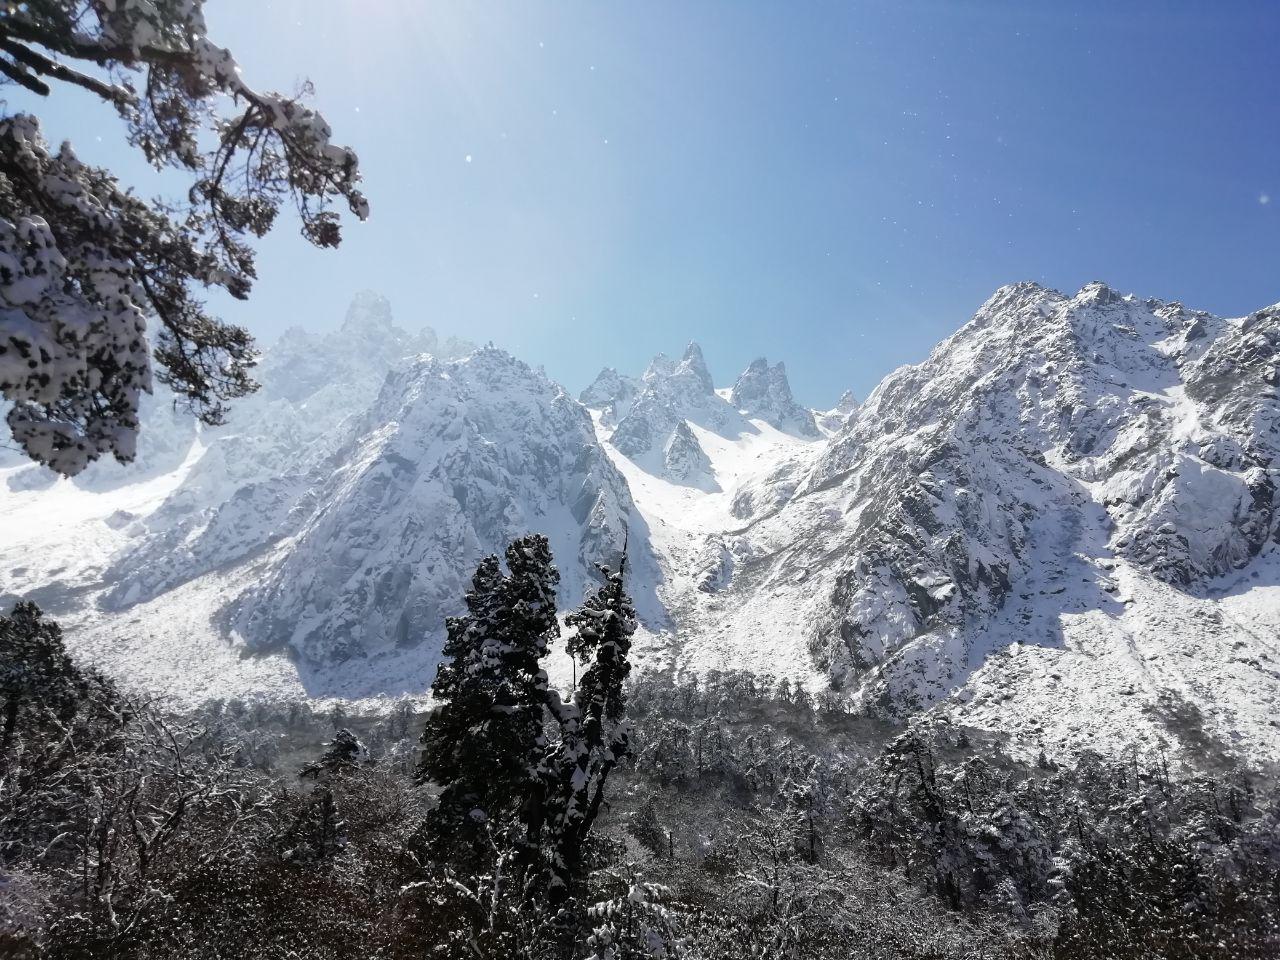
column 729, row 816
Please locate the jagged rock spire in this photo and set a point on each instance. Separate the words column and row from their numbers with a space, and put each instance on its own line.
column 694, row 365
column 368, row 311
column 684, row 459
column 763, row 392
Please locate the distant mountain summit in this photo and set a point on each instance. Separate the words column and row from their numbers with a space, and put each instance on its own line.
column 835, row 418
column 652, row 415
column 762, row 391
column 612, row 394
column 672, row 393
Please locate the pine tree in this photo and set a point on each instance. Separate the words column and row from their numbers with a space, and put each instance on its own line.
column 319, row 830
column 783, row 692
column 807, row 806
column 647, row 830
column 521, row 694
column 35, row 672
column 483, row 741
column 344, row 753
column 594, row 733
column 516, row 808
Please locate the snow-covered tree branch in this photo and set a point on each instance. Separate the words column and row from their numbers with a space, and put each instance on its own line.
column 85, row 264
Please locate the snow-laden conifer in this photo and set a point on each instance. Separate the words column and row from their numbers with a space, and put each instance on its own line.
column 483, row 740
column 594, row 733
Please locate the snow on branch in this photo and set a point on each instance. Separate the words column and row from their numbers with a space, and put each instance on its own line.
column 85, row 265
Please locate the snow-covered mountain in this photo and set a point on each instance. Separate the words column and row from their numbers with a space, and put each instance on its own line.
column 1062, row 524
column 612, row 394
column 248, row 477
column 649, row 420
column 670, row 393
column 1153, row 422
column 453, row 461
column 1076, row 492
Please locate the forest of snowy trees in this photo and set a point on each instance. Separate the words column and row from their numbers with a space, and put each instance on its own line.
column 631, row 817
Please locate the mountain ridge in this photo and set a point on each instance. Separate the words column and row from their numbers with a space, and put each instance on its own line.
column 1059, row 476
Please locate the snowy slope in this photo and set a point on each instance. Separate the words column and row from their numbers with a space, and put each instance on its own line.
column 700, row 461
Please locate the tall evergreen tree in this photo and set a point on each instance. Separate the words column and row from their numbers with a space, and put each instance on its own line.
column 517, row 806
column 517, row 651
column 595, row 735
column 36, row 674
column 482, row 742
column 343, row 754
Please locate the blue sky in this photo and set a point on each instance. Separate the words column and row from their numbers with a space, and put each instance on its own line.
column 835, row 185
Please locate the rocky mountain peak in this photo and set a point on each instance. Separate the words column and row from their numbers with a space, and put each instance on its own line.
column 602, row 389
column 612, row 394
column 660, row 367
column 693, row 367
column 762, row 392
column 1099, row 294
column 835, row 418
column 685, row 461
column 368, row 312
column 370, row 322
column 671, row 393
